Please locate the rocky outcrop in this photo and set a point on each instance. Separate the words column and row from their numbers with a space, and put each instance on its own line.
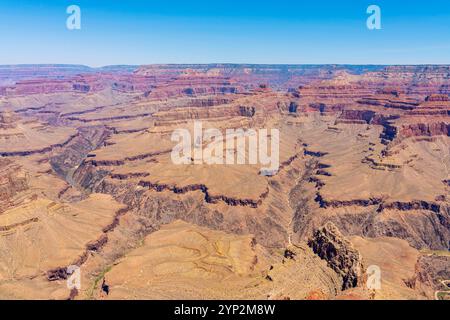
column 122, row 117
column 208, row 197
column 7, row 120
column 424, row 129
column 325, row 108
column 330, row 245
column 19, row 224
column 127, row 176
column 433, row 276
column 317, row 154
column 41, row 86
column 13, row 180
column 324, row 203
column 374, row 164
column 412, row 205
column 190, row 84
column 389, row 131
column 72, row 154
column 247, row 111
column 414, row 80
column 364, row 115
column 120, row 162
column 415, row 222
column 389, row 103
column 293, row 107
column 25, row 153
column 437, row 97
column 81, row 87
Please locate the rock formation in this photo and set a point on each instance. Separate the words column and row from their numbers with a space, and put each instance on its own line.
column 7, row 120
column 329, row 244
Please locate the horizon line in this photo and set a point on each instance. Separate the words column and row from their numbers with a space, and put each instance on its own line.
column 222, row 63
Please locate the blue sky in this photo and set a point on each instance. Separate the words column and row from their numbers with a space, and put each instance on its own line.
column 219, row 31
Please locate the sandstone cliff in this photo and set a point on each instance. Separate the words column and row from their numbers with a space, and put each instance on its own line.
column 329, row 244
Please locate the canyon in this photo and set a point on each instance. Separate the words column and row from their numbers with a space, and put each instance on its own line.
column 87, row 179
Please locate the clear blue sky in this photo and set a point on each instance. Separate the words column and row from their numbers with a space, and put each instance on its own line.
column 235, row 31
